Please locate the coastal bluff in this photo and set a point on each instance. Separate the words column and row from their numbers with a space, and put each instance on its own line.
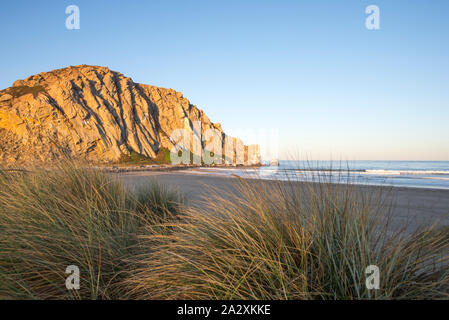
column 93, row 113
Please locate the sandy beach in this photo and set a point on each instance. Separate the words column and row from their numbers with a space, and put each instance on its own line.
column 412, row 207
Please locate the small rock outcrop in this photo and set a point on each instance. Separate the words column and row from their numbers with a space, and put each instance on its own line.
column 91, row 113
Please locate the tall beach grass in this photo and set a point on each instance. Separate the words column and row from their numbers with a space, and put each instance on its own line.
column 256, row 240
column 293, row 240
column 50, row 219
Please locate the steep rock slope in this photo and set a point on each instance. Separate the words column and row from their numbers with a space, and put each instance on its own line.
column 92, row 113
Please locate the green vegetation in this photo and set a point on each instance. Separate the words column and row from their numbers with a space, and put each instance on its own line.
column 162, row 157
column 270, row 240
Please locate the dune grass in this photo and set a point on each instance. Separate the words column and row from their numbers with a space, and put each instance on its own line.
column 265, row 240
column 50, row 219
column 274, row 240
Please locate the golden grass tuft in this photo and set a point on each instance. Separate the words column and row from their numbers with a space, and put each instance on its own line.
column 258, row 240
column 50, row 219
column 295, row 240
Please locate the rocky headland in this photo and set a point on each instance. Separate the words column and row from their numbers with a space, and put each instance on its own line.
column 95, row 114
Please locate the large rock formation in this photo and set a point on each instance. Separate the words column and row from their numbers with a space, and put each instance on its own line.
column 92, row 113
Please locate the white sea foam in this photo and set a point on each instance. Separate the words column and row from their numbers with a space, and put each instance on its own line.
column 436, row 177
column 406, row 172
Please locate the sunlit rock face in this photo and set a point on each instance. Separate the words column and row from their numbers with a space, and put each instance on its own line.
column 91, row 113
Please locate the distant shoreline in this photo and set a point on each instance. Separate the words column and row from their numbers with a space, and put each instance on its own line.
column 167, row 167
column 118, row 168
column 414, row 206
column 190, row 171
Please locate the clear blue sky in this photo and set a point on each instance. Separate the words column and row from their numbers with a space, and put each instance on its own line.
column 308, row 69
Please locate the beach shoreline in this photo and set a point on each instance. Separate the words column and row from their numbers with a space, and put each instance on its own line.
column 412, row 207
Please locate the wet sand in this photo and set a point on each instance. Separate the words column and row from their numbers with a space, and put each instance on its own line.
column 413, row 207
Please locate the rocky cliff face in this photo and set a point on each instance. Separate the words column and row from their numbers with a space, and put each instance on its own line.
column 92, row 113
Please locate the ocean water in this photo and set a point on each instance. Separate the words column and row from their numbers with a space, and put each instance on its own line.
column 418, row 174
